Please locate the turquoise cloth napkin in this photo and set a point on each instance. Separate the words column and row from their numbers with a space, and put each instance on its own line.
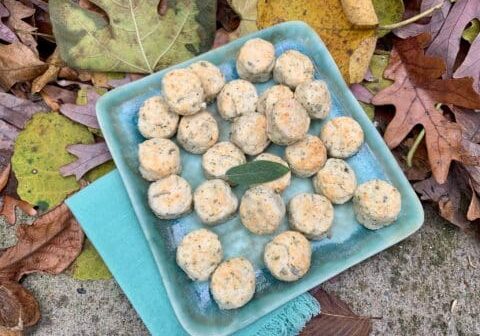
column 105, row 214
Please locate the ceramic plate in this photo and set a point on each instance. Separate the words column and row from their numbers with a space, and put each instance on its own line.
column 350, row 242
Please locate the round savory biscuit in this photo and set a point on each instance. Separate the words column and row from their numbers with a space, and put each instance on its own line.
column 199, row 253
column 288, row 122
column 293, row 68
column 214, row 202
column 280, row 184
column 315, row 98
column 306, row 156
column 271, row 96
column 310, row 214
column 237, row 98
column 211, row 77
column 220, row 158
column 183, row 91
column 376, row 203
column 342, row 136
column 255, row 60
column 336, row 181
column 155, row 120
column 249, row 133
column 170, row 197
column 288, row 256
column 261, row 210
column 158, row 158
column 233, row 283
column 198, row 132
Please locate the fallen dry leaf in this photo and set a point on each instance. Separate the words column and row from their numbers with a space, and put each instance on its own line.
column 6, row 34
column 55, row 96
column 221, row 38
column 247, row 10
column 471, row 64
column 433, row 27
column 350, row 46
column 14, row 114
column 10, row 204
column 83, row 114
column 447, row 43
column 335, row 319
column 18, row 307
column 4, row 174
column 416, row 90
column 55, row 63
column 452, row 196
column 226, row 16
column 18, row 12
column 89, row 157
column 18, row 63
column 360, row 12
column 49, row 245
column 473, row 211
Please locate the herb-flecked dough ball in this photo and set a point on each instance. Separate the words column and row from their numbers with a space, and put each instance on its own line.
column 288, row 256
column 293, row 68
column 170, row 197
column 255, row 60
column 158, row 158
column 376, row 203
column 183, row 91
column 199, row 253
column 233, row 283
column 155, row 120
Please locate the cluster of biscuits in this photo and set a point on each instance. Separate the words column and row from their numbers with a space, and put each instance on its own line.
column 281, row 115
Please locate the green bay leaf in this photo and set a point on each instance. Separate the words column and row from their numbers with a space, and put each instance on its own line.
column 40, row 151
column 255, row 172
column 135, row 38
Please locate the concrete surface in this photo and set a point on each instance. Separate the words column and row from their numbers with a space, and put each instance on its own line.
column 411, row 285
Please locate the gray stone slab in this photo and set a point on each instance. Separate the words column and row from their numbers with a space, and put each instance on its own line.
column 412, row 286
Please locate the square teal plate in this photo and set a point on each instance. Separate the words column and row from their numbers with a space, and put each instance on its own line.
column 350, row 243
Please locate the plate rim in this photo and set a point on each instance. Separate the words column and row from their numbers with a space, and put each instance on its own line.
column 119, row 95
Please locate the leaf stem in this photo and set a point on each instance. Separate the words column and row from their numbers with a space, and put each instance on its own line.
column 353, row 317
column 412, row 19
column 34, row 33
column 414, row 147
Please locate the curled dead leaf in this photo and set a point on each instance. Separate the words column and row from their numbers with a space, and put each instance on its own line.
column 49, row 245
column 4, row 174
column 18, row 307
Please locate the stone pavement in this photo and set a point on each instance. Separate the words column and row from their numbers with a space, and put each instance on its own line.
column 411, row 285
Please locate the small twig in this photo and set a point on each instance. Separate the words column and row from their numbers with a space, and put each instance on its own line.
column 453, row 306
column 412, row 19
column 34, row 33
column 470, row 263
column 414, row 147
column 354, row 317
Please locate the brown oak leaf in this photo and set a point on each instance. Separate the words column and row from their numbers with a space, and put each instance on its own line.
column 336, row 318
column 18, row 308
column 417, row 88
column 49, row 245
column 17, row 64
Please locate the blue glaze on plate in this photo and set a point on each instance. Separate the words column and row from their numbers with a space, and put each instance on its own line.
column 350, row 243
